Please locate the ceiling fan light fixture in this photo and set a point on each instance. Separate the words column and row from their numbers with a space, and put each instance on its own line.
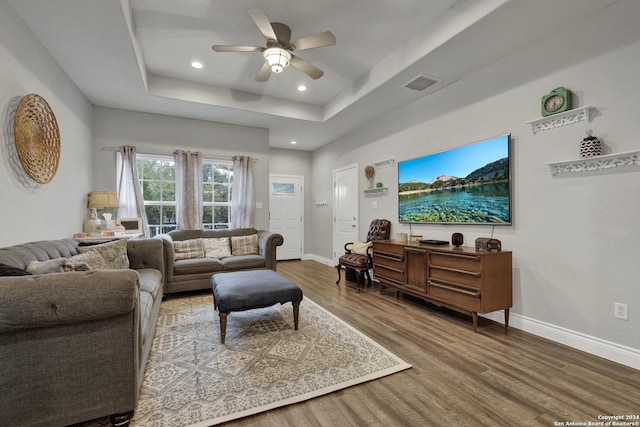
column 277, row 58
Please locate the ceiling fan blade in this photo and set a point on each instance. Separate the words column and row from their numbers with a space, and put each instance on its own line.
column 283, row 32
column 263, row 24
column 234, row 48
column 310, row 70
column 264, row 73
column 317, row 40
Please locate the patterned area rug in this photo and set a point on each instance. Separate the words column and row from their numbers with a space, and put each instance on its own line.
column 193, row 380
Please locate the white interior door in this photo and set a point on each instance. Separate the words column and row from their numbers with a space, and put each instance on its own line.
column 286, row 214
column 345, row 208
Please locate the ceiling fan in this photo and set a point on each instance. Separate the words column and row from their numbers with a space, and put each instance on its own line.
column 278, row 51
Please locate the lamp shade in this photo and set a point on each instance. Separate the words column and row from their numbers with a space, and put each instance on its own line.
column 277, row 58
column 102, row 199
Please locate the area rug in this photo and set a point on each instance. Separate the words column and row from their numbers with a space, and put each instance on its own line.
column 193, row 380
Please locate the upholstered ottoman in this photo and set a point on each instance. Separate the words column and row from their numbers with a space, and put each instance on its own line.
column 248, row 290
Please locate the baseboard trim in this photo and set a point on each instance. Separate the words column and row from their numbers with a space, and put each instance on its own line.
column 322, row 260
column 618, row 353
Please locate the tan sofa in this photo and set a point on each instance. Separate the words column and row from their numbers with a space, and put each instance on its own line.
column 73, row 346
column 193, row 274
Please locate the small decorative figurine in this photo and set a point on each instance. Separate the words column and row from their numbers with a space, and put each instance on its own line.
column 591, row 146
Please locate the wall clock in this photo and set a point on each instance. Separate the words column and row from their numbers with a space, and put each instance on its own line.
column 557, row 101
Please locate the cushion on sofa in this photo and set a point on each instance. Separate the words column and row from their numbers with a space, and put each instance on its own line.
column 8, row 270
column 188, row 249
column 243, row 262
column 197, row 265
column 91, row 258
column 244, row 245
column 150, row 281
column 114, row 253
column 216, row 247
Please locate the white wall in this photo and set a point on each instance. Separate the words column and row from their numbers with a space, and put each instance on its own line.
column 31, row 211
column 158, row 134
column 574, row 238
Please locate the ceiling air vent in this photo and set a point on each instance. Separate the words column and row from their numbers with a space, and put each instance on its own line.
column 421, row 83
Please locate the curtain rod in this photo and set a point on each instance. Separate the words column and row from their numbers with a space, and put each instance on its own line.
column 159, row 152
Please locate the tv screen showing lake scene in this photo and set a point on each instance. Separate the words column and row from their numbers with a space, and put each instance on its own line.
column 466, row 185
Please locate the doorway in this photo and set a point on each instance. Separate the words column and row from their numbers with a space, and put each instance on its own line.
column 286, row 213
column 345, row 208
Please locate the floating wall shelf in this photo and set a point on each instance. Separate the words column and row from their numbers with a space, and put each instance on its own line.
column 376, row 192
column 607, row 161
column 561, row 119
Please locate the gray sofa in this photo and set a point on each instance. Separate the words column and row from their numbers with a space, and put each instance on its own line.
column 73, row 346
column 194, row 274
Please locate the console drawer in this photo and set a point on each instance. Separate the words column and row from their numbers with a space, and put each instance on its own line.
column 454, row 295
column 449, row 275
column 388, row 248
column 455, row 261
column 393, row 274
column 388, row 261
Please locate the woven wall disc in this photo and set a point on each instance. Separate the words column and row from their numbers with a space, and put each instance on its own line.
column 37, row 138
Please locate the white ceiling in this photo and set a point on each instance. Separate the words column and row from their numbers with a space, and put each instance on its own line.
column 136, row 54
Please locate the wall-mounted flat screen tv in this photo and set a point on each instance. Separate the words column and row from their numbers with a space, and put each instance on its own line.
column 470, row 184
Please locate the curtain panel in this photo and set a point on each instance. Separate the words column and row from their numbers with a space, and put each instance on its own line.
column 188, row 189
column 129, row 191
column 242, row 193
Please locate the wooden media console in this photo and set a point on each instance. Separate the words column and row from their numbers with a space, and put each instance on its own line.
column 460, row 278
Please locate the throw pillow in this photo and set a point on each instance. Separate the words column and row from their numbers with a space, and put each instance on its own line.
column 58, row 265
column 360, row 247
column 187, row 249
column 92, row 259
column 114, row 253
column 244, row 245
column 8, row 270
column 216, row 247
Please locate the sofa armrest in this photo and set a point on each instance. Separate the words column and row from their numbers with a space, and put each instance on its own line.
column 45, row 300
column 146, row 253
column 268, row 243
column 169, row 255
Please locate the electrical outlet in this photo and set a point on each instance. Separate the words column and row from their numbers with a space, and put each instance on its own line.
column 620, row 311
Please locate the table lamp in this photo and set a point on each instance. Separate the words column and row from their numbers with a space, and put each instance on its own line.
column 99, row 200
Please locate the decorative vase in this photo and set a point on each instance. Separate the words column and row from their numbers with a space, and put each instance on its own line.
column 591, row 146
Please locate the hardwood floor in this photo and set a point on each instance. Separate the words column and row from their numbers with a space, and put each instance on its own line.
column 458, row 377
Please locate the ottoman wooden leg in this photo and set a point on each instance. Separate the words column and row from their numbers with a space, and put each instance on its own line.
column 223, row 326
column 296, row 310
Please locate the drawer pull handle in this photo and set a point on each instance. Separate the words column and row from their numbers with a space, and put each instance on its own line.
column 384, row 267
column 474, row 257
column 454, row 289
column 387, row 256
column 455, row 270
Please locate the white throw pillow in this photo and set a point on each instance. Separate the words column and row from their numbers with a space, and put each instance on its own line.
column 360, row 247
column 216, row 247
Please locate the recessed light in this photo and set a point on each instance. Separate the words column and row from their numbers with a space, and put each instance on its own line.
column 302, row 88
column 293, row 142
column 196, row 64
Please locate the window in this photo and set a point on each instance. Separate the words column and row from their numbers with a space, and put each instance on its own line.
column 216, row 194
column 157, row 178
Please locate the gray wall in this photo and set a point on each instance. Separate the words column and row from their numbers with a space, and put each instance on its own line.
column 296, row 162
column 158, row 134
column 31, row 211
column 575, row 237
